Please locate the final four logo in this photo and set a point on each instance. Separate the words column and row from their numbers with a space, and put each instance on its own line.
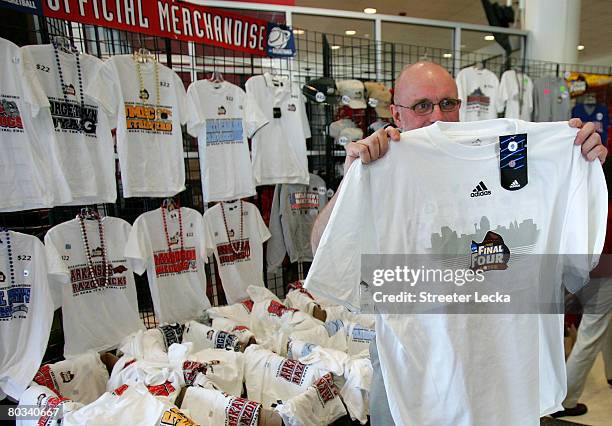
column 491, row 254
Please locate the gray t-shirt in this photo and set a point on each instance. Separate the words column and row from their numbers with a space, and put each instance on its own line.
column 551, row 99
column 294, row 209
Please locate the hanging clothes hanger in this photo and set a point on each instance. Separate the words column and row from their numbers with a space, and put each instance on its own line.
column 216, row 77
column 64, row 43
column 143, row 55
column 89, row 213
column 169, row 204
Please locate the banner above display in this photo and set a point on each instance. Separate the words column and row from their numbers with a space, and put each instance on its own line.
column 27, row 6
column 181, row 21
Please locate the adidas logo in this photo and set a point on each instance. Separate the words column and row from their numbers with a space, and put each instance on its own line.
column 480, row 190
column 515, row 184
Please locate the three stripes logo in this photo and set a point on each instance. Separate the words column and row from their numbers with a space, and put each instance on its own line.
column 480, row 191
column 515, row 184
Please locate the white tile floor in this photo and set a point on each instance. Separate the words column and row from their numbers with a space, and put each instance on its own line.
column 597, row 396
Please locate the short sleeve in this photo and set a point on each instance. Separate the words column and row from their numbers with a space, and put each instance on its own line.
column 254, row 117
column 194, row 108
column 55, row 264
column 33, row 93
column 584, row 227
column 104, row 89
column 138, row 248
column 262, row 229
column 304, row 118
column 335, row 272
column 503, row 93
column 181, row 98
column 207, row 226
column 56, row 269
column 203, row 240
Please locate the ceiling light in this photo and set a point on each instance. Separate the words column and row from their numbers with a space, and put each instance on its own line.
column 447, row 55
column 350, row 32
column 298, row 32
column 335, row 47
column 489, row 37
column 369, row 10
column 580, row 47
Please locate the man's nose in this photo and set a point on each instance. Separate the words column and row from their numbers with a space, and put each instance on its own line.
column 436, row 114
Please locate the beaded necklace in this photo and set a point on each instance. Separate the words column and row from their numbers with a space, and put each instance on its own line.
column 63, row 84
column 9, row 251
column 241, row 242
column 180, row 220
column 143, row 98
column 105, row 278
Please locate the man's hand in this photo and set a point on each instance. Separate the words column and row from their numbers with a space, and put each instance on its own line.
column 371, row 148
column 589, row 140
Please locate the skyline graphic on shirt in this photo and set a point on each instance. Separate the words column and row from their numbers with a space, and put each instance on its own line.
column 449, row 242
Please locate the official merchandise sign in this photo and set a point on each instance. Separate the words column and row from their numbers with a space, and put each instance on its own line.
column 179, row 20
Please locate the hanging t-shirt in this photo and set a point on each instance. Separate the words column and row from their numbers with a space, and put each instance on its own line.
column 551, row 99
column 294, row 210
column 149, row 136
column 222, row 117
column 174, row 262
column 477, row 89
column 26, row 312
column 30, row 172
column 279, row 148
column 82, row 132
column 486, row 363
column 237, row 248
column 596, row 114
column 516, row 95
column 95, row 317
column 81, row 378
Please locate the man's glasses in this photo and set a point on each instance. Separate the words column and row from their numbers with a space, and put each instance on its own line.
column 426, row 107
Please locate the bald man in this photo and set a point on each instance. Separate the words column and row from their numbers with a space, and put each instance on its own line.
column 424, row 85
column 424, row 93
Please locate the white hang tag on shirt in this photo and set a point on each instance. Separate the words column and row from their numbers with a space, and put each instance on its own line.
column 513, row 161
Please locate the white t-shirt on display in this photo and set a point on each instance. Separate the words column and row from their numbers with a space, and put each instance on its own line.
column 485, row 365
column 176, row 278
column 149, row 136
column 208, row 406
column 222, row 117
column 202, row 337
column 223, row 368
column 270, row 377
column 48, row 402
column 516, row 95
column 26, row 312
column 30, row 172
column 81, row 378
column 279, row 148
column 239, row 255
column 82, row 136
column 478, row 90
column 95, row 317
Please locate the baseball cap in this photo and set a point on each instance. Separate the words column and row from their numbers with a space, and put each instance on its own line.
column 351, row 93
column 380, row 100
column 378, row 97
column 321, row 90
column 350, row 134
column 337, row 126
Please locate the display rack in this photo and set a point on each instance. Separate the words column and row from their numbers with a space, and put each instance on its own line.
column 340, row 57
